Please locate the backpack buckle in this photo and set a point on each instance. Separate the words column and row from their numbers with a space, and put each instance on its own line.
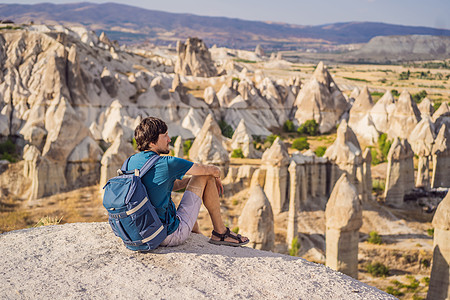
column 119, row 172
column 136, row 172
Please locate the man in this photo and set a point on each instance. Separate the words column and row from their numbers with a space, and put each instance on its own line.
column 167, row 175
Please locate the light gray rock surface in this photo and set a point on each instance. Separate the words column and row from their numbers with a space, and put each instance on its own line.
column 84, row 260
column 441, row 159
column 275, row 161
column 382, row 111
column 256, row 220
column 194, row 59
column 440, row 279
column 320, row 99
column 343, row 220
column 404, row 118
column 400, row 172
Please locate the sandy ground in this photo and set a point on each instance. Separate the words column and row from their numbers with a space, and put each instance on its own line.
column 85, row 260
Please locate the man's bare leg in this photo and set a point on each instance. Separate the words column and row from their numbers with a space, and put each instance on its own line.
column 205, row 187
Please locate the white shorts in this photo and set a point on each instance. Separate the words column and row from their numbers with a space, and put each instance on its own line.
column 187, row 213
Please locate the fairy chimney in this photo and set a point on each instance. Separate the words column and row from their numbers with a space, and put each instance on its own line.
column 400, row 172
column 439, row 287
column 256, row 220
column 422, row 140
column 275, row 161
column 441, row 159
column 343, row 221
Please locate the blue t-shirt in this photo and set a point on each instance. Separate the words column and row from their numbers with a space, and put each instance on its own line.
column 159, row 182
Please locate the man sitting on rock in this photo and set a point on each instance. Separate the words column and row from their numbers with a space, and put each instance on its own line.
column 167, row 175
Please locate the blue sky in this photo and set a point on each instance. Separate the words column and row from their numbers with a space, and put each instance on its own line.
column 431, row 13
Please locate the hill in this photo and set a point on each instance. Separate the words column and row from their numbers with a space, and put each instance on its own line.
column 86, row 260
column 133, row 25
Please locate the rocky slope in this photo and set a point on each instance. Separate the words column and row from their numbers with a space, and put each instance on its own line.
column 86, row 260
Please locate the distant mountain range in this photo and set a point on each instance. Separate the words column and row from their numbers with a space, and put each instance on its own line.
column 134, row 25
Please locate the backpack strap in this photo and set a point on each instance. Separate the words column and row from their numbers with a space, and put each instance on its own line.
column 148, row 165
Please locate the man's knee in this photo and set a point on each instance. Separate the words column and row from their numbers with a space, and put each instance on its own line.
column 197, row 184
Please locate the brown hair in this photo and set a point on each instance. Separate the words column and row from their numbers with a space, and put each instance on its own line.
column 148, row 132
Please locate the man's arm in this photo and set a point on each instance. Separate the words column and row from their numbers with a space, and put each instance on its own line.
column 198, row 169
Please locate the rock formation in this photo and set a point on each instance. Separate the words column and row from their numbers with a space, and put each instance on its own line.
column 442, row 116
column 343, row 220
column 439, row 287
column 441, row 159
column 426, row 107
column 208, row 145
column 422, row 140
column 320, row 99
column 259, row 51
column 194, row 59
column 297, row 195
column 256, row 220
column 83, row 260
column 360, row 119
column 382, row 111
column 242, row 139
column 178, row 147
column 275, row 161
column 346, row 157
column 114, row 158
column 404, row 118
column 400, row 172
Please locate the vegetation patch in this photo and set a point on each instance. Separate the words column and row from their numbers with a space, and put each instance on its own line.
column 356, row 79
column 288, row 126
column 300, row 143
column 226, row 129
column 295, row 247
column 8, row 151
column 237, row 153
column 186, row 147
column 374, row 238
column 320, row 151
column 377, row 270
column 310, row 127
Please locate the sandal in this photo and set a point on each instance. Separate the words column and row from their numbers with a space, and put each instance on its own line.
column 227, row 243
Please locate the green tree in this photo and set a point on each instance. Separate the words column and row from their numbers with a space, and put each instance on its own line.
column 237, row 153
column 270, row 139
column 186, row 147
column 295, row 247
column 300, row 143
column 419, row 96
column 226, row 129
column 288, row 126
column 8, row 151
column 320, row 151
column 310, row 127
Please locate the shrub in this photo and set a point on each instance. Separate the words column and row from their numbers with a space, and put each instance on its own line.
column 295, row 247
column 430, row 231
column 378, row 186
column 310, row 127
column 375, row 158
column 419, row 96
column 395, row 93
column 377, row 270
column 172, row 140
column 226, row 129
column 426, row 280
column 300, row 144
column 270, row 139
column 8, row 151
column 235, row 229
column 288, row 126
column 374, row 238
column 436, row 105
column 320, row 151
column 45, row 221
column 186, row 146
column 237, row 153
column 394, row 292
column 385, row 145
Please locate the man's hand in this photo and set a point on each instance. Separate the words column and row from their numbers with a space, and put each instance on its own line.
column 219, row 186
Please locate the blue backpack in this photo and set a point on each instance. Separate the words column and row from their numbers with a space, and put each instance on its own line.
column 131, row 215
